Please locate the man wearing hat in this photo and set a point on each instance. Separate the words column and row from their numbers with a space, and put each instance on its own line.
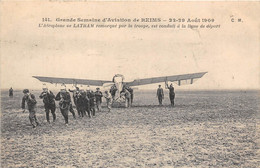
column 160, row 95
column 49, row 103
column 31, row 104
column 65, row 103
column 98, row 96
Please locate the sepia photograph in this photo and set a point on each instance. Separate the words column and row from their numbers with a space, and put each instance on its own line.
column 129, row 84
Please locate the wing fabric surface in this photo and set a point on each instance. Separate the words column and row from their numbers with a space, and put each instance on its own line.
column 180, row 79
column 54, row 80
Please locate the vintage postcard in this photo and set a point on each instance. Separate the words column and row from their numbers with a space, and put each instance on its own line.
column 129, row 84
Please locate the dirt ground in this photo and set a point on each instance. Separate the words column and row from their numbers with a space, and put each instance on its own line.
column 204, row 129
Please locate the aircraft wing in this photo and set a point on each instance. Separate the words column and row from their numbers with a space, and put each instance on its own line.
column 180, row 79
column 71, row 81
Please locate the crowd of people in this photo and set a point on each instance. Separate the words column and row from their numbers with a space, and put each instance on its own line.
column 86, row 102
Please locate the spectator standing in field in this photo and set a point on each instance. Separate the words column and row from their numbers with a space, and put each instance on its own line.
column 160, row 95
column 108, row 98
column 31, row 104
column 98, row 96
column 11, row 92
column 49, row 103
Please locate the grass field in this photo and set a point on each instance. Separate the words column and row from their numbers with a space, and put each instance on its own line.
column 204, row 129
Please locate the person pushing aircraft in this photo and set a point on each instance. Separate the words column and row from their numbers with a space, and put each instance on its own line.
column 31, row 104
column 65, row 103
column 49, row 103
column 171, row 93
column 98, row 96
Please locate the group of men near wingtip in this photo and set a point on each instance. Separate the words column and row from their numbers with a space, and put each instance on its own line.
column 160, row 94
column 84, row 101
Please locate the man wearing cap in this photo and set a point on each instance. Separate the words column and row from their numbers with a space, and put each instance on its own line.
column 31, row 104
column 98, row 96
column 171, row 93
column 160, row 95
column 65, row 103
column 49, row 103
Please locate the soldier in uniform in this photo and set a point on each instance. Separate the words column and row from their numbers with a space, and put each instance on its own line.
column 65, row 103
column 80, row 101
column 113, row 90
column 87, row 102
column 49, row 103
column 160, row 95
column 108, row 98
column 92, row 103
column 75, row 97
column 171, row 93
column 98, row 96
column 11, row 92
column 127, row 98
column 31, row 104
column 132, row 94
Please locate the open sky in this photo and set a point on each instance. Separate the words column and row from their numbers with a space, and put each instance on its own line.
column 230, row 54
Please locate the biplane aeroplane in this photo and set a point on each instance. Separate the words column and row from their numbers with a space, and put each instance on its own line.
column 117, row 83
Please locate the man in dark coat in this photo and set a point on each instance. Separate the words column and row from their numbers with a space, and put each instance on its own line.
column 171, row 93
column 113, row 90
column 65, row 103
column 49, row 103
column 80, row 101
column 98, row 96
column 11, row 92
column 31, row 104
column 160, row 95
column 92, row 103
